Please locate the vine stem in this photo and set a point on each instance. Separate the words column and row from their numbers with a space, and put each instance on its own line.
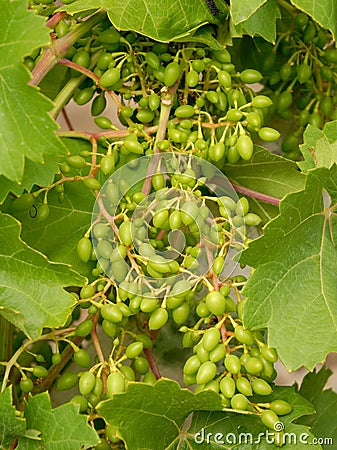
column 6, row 340
column 255, row 194
column 152, row 363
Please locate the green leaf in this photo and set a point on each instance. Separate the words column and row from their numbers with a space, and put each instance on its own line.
column 319, row 147
column 31, row 294
column 26, row 129
column 324, row 12
column 263, row 21
column 163, row 21
column 295, row 277
column 159, row 411
column 57, row 236
column 324, row 421
column 204, row 35
column 241, row 10
column 61, row 428
column 10, row 425
column 266, row 174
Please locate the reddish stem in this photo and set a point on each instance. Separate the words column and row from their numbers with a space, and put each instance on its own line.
column 255, row 194
column 152, row 363
column 55, row 19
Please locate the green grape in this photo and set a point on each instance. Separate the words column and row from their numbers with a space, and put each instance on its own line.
column 239, row 402
column 82, row 58
column 133, row 350
column 261, row 101
column 218, row 265
column 66, row 381
column 92, row 183
column 104, row 249
column 181, row 313
column 268, row 134
column 280, row 407
column 171, row 74
column 98, row 388
column 232, row 364
column 325, row 105
column 128, row 373
column 149, row 378
column 158, row 319
column 225, row 79
column 212, row 96
column 192, row 365
column 192, row 78
column 284, row 101
column 252, row 219
column 309, row 33
column 133, row 146
column 145, row 115
column 86, row 383
column 104, row 61
column 242, row 207
column 286, row 71
column 269, row 419
column 206, row 372
column 149, row 304
column 43, row 212
column 109, row 328
column 154, row 102
column 218, row 353
column 83, row 96
column 24, row 202
column 61, row 29
column 126, row 231
column 40, row 372
column 261, row 387
column 109, row 36
column 87, row 291
column 110, row 77
column 269, row 354
column 216, row 303
column 26, row 385
column 250, row 76
column 160, row 217
column 189, row 212
column 152, row 60
column 107, row 164
column 82, row 358
column 141, row 365
column 222, row 55
column 254, row 365
column 202, row 310
column 56, row 358
column 331, row 55
column 111, row 312
column 303, row 73
column 115, row 384
column 315, row 119
column 244, row 387
column 103, row 122
column 81, row 401
column 211, row 338
column 227, row 387
column 244, row 336
column 234, row 115
column 184, row 111
column 245, row 147
column 217, row 151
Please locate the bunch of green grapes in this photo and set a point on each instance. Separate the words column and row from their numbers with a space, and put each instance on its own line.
column 301, row 72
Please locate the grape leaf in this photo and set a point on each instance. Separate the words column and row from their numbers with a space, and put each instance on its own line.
column 60, row 428
column 263, row 21
column 324, row 421
column 158, row 411
column 319, row 147
column 267, row 174
column 163, row 21
column 10, row 425
column 31, row 294
column 57, row 236
column 26, row 129
column 295, row 278
column 241, row 10
column 324, row 12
